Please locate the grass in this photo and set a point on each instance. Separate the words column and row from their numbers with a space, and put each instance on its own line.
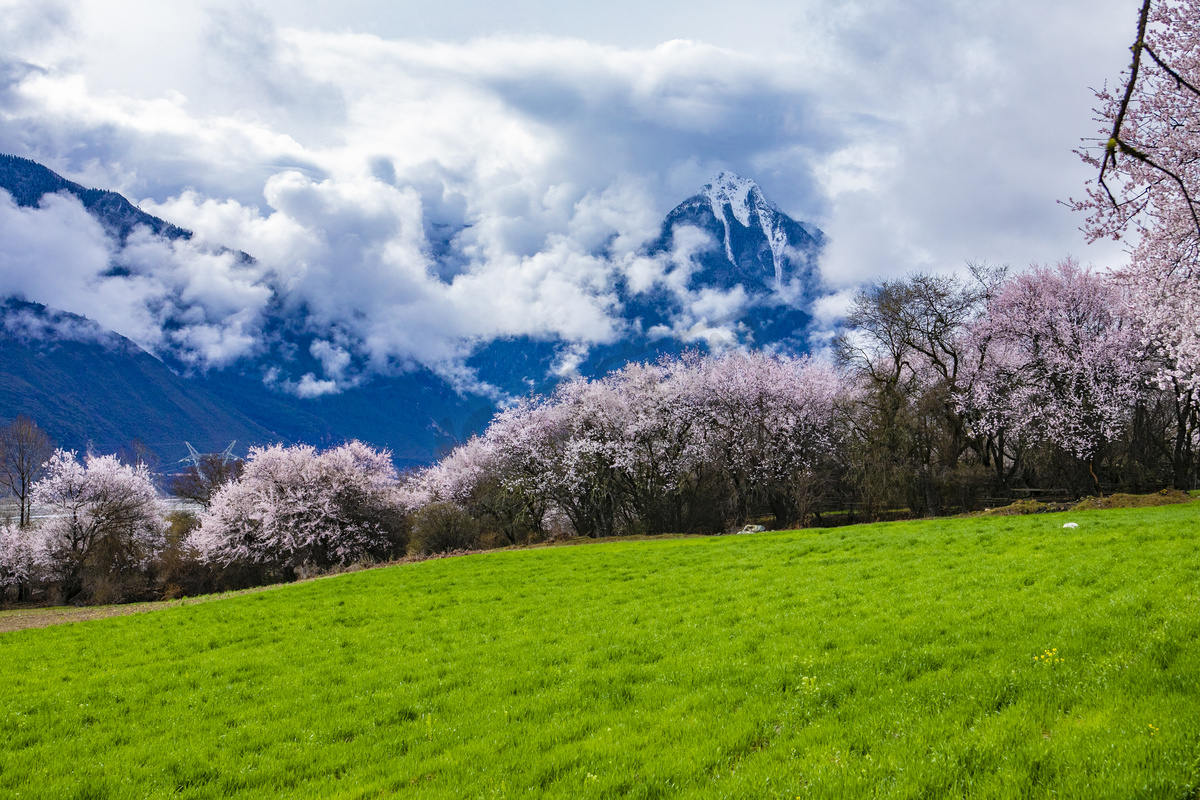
column 974, row 657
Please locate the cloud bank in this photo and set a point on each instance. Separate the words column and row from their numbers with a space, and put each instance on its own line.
column 408, row 200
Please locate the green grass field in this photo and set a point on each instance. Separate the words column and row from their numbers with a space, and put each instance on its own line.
column 893, row 660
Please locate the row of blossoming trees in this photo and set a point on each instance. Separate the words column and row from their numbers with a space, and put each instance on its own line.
column 949, row 393
column 944, row 393
column 685, row 444
column 105, row 534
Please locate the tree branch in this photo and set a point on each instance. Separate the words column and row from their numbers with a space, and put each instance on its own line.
column 1179, row 79
column 1116, row 144
column 1110, row 154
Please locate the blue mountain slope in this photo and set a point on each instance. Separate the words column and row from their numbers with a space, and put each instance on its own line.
column 28, row 180
column 93, row 389
column 418, row 416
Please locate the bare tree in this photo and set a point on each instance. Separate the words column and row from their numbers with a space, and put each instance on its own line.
column 201, row 479
column 138, row 452
column 24, row 450
column 906, row 341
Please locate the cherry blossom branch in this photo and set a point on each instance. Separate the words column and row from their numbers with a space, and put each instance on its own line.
column 1180, row 81
column 1115, row 141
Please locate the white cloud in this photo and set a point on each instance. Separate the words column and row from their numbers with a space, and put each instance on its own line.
column 409, row 199
column 161, row 294
column 832, row 308
column 49, row 324
column 52, row 250
column 310, row 386
column 334, row 359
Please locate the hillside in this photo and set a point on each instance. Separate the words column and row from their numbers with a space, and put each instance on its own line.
column 981, row 657
column 27, row 181
column 90, row 388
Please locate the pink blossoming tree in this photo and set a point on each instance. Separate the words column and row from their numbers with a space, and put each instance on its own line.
column 1148, row 187
column 294, row 508
column 103, row 517
column 1061, row 362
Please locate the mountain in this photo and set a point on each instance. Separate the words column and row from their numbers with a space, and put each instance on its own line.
column 28, row 180
column 760, row 247
column 756, row 248
column 90, row 387
column 750, row 250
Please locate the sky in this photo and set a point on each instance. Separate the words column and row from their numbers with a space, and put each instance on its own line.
column 338, row 143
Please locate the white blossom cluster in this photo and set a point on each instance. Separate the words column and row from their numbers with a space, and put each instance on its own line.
column 98, row 513
column 294, row 506
column 613, row 453
column 22, row 555
column 99, row 502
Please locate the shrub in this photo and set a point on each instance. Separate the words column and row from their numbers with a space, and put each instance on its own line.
column 442, row 527
column 179, row 570
column 1163, row 498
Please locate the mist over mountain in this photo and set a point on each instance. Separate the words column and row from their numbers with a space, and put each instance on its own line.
column 727, row 268
column 28, row 181
column 94, row 390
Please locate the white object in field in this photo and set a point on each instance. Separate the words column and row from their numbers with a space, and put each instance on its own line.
column 752, row 529
column 1071, row 525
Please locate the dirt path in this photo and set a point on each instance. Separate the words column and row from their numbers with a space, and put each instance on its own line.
column 18, row 619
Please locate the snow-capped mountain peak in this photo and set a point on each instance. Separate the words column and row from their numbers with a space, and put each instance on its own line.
column 751, row 208
column 742, row 195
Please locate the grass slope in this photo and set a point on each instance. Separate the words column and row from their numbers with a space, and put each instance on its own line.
column 894, row 660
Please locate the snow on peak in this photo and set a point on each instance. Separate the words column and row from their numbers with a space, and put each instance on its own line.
column 751, row 208
column 742, row 195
